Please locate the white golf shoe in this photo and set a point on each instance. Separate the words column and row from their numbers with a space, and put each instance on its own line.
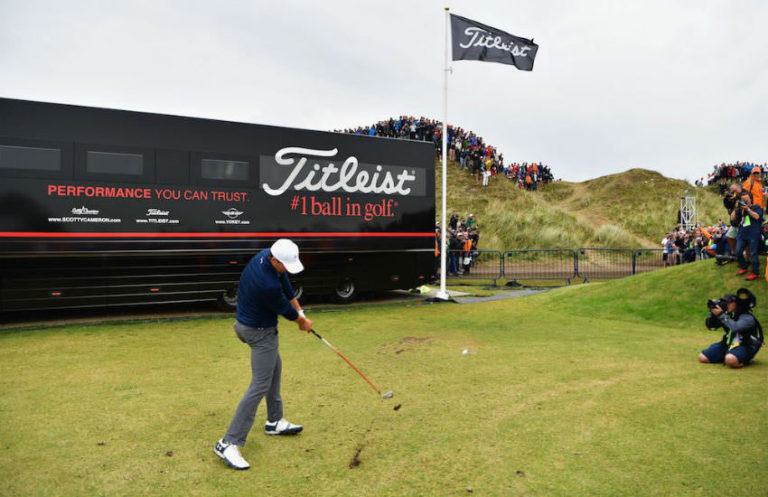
column 231, row 455
column 282, row 427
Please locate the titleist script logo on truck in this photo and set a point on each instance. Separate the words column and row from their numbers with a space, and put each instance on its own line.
column 298, row 168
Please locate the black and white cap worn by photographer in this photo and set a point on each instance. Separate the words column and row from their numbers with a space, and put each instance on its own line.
column 729, row 297
column 287, row 253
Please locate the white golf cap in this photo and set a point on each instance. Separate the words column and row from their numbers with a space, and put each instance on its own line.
column 287, row 252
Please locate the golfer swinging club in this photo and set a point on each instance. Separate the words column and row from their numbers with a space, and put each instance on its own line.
column 263, row 293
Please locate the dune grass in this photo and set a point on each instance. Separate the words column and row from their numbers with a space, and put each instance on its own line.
column 632, row 209
column 588, row 390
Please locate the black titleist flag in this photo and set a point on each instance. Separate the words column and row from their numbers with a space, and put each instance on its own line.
column 474, row 41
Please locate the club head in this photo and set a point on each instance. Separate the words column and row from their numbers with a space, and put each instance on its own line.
column 388, row 395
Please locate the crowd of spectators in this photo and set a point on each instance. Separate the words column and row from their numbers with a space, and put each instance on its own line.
column 741, row 238
column 482, row 161
column 461, row 240
column 725, row 174
column 528, row 176
column 703, row 242
column 405, row 127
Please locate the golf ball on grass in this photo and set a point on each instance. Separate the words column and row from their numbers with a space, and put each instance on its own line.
column 465, row 352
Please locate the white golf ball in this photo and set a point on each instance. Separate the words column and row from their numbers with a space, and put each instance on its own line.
column 465, row 352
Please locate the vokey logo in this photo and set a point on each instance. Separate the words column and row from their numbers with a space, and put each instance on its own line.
column 232, row 213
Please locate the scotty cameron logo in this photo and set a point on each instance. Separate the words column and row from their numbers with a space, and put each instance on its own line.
column 83, row 210
column 349, row 177
column 232, row 213
column 84, row 215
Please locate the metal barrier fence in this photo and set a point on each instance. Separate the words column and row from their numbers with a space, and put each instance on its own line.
column 604, row 263
column 478, row 264
column 650, row 260
column 546, row 264
column 555, row 264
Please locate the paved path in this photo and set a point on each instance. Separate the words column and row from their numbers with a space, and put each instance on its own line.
column 498, row 296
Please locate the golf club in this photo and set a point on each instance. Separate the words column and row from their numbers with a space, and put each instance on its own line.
column 385, row 395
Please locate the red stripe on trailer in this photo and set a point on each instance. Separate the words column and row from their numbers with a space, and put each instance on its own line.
column 29, row 234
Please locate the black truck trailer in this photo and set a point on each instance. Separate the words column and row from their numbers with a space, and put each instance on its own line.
column 102, row 207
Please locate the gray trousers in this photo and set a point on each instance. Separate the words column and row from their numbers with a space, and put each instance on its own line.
column 266, row 368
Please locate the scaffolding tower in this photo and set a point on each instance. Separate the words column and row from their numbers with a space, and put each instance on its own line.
column 688, row 211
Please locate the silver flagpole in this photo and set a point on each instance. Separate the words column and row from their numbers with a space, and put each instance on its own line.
column 443, row 294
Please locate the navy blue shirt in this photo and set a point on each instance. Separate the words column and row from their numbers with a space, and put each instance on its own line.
column 753, row 230
column 264, row 293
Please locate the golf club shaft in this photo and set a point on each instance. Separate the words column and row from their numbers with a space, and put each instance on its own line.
column 345, row 360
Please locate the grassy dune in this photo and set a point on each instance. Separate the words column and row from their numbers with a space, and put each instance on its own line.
column 626, row 210
column 589, row 390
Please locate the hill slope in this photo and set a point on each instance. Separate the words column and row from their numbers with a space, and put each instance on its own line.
column 675, row 296
column 626, row 210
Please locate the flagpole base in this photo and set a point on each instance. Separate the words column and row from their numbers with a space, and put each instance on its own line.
column 442, row 295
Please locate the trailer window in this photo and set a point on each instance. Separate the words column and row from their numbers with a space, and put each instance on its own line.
column 224, row 169
column 115, row 163
column 30, row 158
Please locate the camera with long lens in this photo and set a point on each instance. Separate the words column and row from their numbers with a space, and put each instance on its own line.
column 713, row 322
column 712, row 303
column 745, row 301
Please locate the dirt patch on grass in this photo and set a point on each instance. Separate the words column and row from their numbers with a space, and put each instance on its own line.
column 355, row 461
column 416, row 340
column 406, row 344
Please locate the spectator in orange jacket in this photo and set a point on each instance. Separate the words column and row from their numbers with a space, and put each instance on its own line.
column 753, row 186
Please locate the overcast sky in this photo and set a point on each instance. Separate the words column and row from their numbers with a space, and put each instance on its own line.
column 674, row 86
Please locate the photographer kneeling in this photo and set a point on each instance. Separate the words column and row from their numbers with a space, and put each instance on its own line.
column 743, row 334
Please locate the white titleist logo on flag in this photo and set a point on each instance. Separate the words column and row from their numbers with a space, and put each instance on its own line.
column 330, row 178
column 482, row 38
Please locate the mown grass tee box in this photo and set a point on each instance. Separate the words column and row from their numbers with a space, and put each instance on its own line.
column 589, row 390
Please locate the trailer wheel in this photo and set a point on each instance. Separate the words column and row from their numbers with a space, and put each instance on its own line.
column 227, row 301
column 345, row 291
